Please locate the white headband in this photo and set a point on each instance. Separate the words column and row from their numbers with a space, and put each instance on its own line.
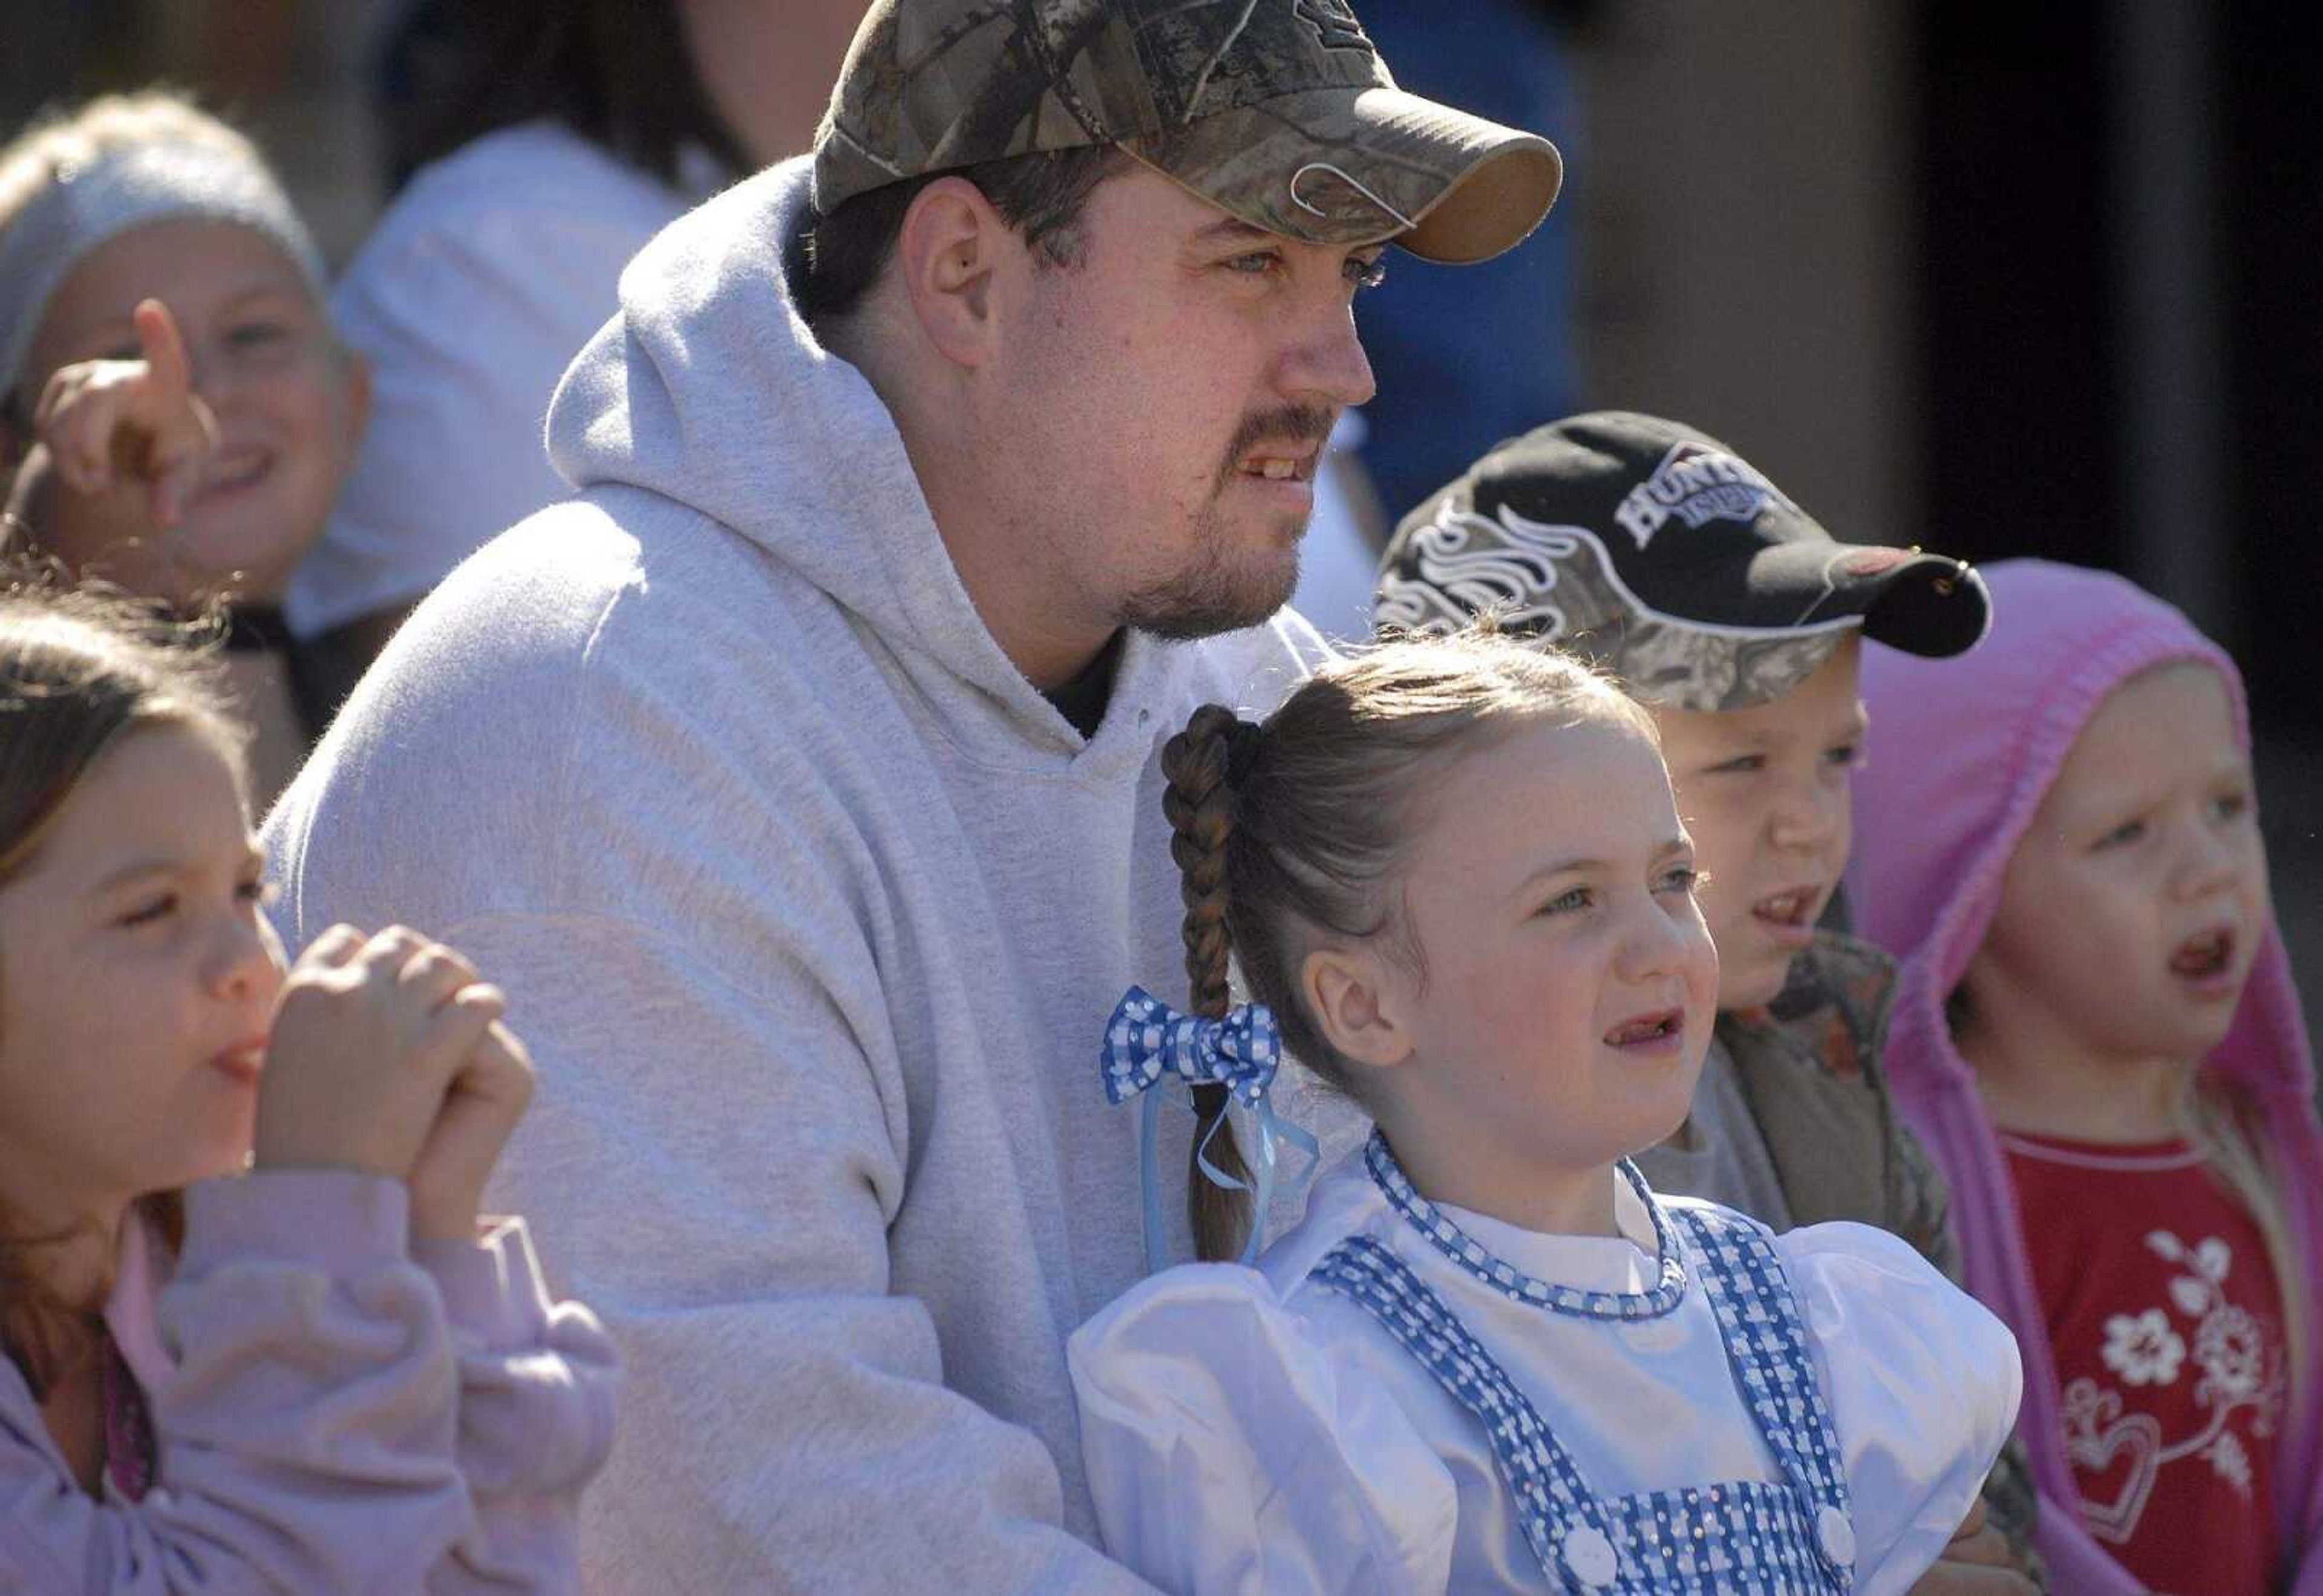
column 86, row 205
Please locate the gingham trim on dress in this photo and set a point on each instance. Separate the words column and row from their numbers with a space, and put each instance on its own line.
column 1736, row 1538
column 1552, row 1498
column 1758, row 1319
column 1471, row 1255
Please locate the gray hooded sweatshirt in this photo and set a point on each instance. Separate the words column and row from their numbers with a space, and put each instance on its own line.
column 811, row 910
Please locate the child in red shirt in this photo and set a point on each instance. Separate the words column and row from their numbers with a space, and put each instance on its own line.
column 2095, row 1035
column 2165, row 1327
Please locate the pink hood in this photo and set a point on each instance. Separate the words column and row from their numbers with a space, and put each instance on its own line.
column 1959, row 755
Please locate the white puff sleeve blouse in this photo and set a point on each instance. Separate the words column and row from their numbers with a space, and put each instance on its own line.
column 1255, row 1429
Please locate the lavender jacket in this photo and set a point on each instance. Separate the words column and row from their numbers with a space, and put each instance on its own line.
column 1960, row 755
column 335, row 1410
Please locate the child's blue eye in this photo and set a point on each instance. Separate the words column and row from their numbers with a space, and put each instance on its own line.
column 1567, row 902
column 2122, row 835
column 1684, row 879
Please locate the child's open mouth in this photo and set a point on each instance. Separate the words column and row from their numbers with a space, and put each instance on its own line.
column 1654, row 1033
column 244, row 1062
column 1788, row 914
column 2207, row 957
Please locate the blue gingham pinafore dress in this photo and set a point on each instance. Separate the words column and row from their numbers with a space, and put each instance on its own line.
column 1787, row 1537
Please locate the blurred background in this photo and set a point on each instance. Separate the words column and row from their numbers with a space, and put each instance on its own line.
column 1995, row 280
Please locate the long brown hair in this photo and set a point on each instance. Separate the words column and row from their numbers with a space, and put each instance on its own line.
column 616, row 72
column 78, row 670
column 1290, row 833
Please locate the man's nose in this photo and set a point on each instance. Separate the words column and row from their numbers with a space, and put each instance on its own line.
column 1327, row 365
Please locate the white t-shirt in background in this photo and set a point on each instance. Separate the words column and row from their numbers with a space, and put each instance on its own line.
column 480, row 285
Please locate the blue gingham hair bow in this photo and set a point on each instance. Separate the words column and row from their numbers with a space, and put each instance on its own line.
column 1147, row 1042
column 1147, row 1038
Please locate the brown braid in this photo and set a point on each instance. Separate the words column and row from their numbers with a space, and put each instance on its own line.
column 1200, row 801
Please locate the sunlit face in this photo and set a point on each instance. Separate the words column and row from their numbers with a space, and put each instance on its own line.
column 290, row 404
column 2135, row 903
column 137, row 976
column 1764, row 791
column 1570, row 983
column 1160, row 410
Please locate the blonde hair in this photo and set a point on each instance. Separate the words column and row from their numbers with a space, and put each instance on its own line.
column 2220, row 1123
column 1293, row 831
column 62, row 139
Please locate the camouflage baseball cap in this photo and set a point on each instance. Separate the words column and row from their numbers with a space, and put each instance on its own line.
column 1279, row 112
column 1656, row 551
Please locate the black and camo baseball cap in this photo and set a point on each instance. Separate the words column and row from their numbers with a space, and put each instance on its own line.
column 1656, row 551
column 1279, row 112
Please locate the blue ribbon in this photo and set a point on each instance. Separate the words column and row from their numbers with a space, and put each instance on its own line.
column 1147, row 1042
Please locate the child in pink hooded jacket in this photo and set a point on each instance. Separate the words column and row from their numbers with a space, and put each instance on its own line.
column 2097, row 1036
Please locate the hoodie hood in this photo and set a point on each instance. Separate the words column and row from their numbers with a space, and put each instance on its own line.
column 709, row 388
column 1959, row 755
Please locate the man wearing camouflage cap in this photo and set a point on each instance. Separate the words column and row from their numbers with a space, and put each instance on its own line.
column 798, row 778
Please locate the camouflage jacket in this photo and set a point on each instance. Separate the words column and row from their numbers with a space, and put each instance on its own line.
column 1809, row 1067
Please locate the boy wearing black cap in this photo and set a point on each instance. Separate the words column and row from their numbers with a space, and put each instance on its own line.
column 1655, row 551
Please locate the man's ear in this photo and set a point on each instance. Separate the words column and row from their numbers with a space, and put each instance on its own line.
column 1358, row 1001
column 951, row 243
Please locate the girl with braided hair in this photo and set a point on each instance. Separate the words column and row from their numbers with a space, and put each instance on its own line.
column 1452, row 879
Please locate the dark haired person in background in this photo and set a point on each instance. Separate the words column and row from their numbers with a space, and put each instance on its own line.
column 534, row 146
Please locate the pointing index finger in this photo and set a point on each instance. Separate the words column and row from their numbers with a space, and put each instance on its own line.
column 164, row 348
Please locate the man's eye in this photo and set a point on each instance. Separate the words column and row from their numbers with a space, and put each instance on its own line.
column 1257, row 264
column 1567, row 902
column 1367, row 273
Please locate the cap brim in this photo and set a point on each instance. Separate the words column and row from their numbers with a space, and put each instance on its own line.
column 1923, row 604
column 1355, row 166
